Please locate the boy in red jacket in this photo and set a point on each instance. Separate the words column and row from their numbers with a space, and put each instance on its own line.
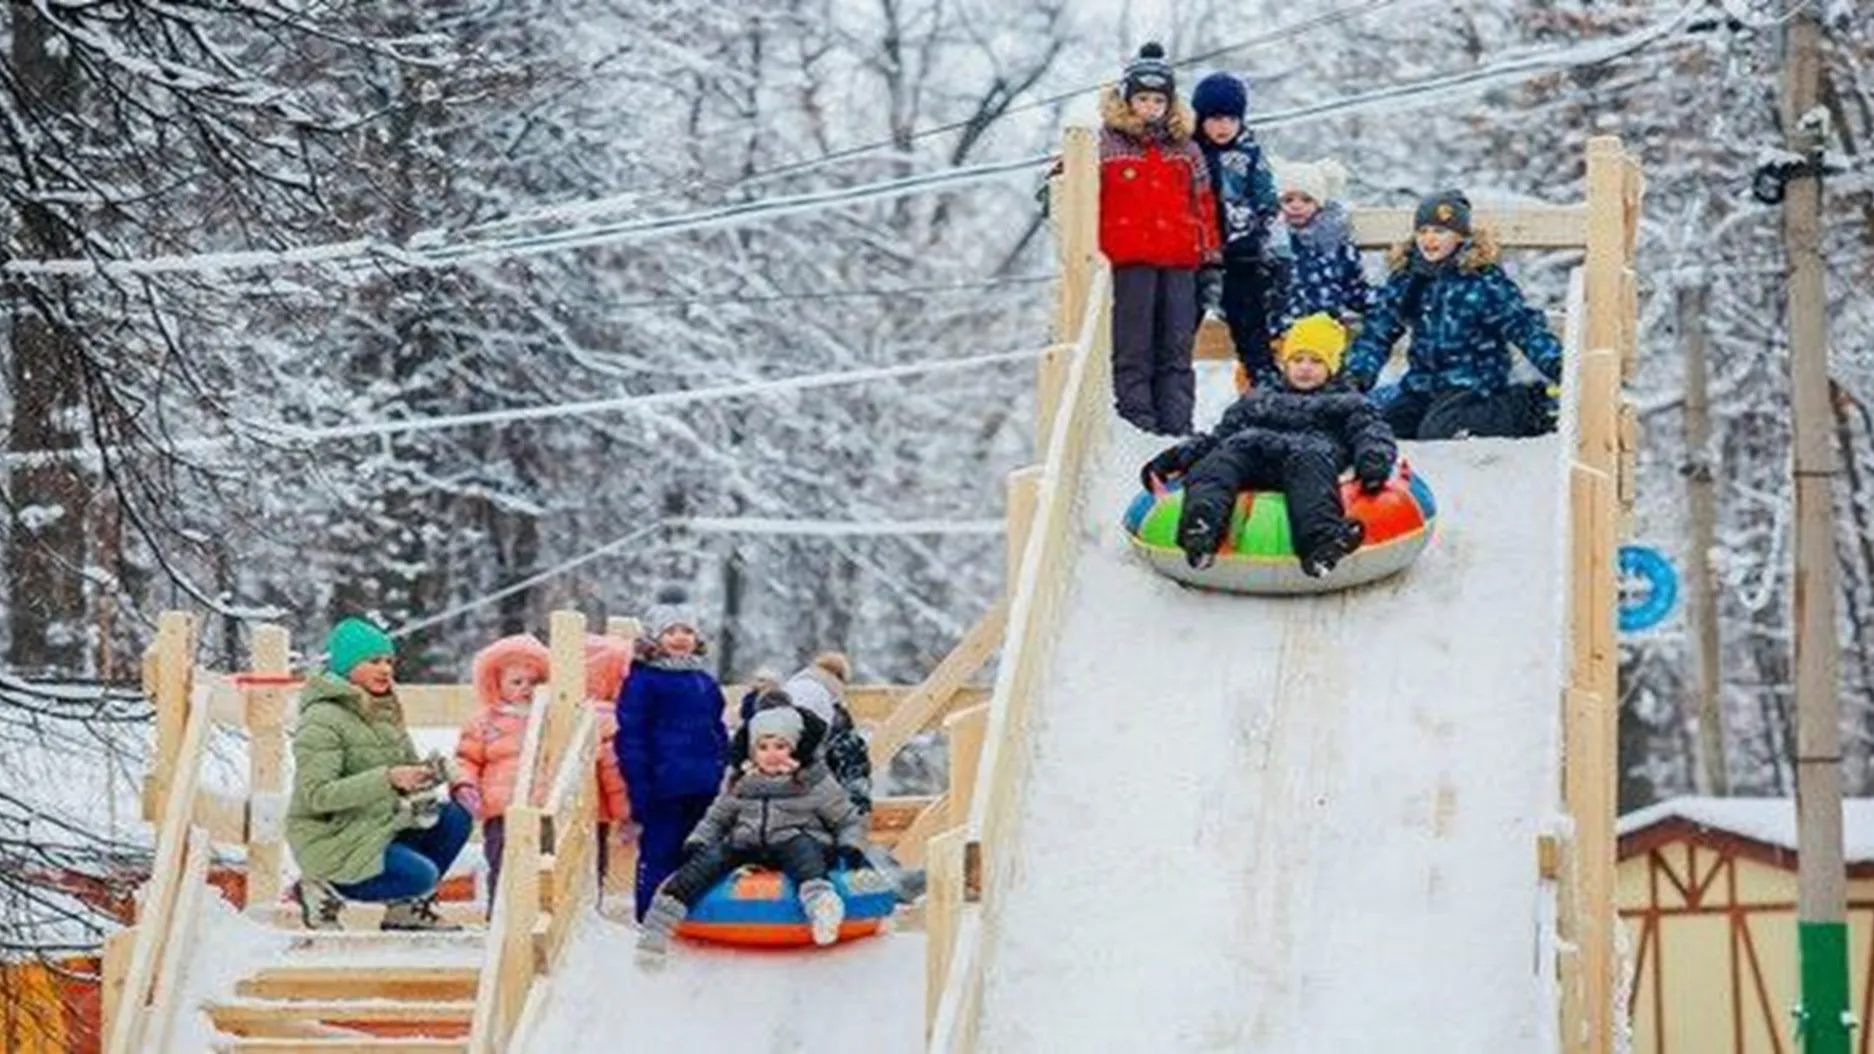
column 1157, row 227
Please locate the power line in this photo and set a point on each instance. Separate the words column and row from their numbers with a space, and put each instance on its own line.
column 632, row 199
column 832, row 294
column 293, row 436
column 743, row 525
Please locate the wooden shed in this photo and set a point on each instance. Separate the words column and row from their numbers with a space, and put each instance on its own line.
column 1707, row 887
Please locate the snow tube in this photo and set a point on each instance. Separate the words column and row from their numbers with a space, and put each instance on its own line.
column 757, row 907
column 1259, row 557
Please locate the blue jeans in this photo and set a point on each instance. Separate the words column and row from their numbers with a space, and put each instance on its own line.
column 415, row 860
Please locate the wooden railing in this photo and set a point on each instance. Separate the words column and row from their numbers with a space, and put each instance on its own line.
column 143, row 1000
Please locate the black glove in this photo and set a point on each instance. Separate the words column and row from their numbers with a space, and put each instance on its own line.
column 852, row 858
column 689, row 851
column 1174, row 461
column 1373, row 470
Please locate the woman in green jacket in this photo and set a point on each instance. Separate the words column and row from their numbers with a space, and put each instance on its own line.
column 361, row 824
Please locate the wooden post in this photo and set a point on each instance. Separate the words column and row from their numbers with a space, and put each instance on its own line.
column 623, row 627
column 266, row 731
column 117, row 949
column 566, row 643
column 1024, row 489
column 964, row 732
column 1822, row 885
column 942, row 906
column 175, row 650
column 1702, row 502
column 1050, row 377
column 520, row 899
column 1078, row 208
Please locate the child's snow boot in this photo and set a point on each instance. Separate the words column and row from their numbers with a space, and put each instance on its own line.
column 660, row 922
column 319, row 903
column 1196, row 536
column 416, row 914
column 1345, row 539
column 825, row 911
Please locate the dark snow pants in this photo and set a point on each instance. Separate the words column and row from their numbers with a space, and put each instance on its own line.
column 1521, row 410
column 667, row 823
column 801, row 858
column 1304, row 472
column 1247, row 294
column 1154, row 323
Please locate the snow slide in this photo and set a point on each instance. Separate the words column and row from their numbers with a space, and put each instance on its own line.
column 1295, row 825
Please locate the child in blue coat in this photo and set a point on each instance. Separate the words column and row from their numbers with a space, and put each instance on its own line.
column 1241, row 286
column 1315, row 239
column 1464, row 314
column 672, row 745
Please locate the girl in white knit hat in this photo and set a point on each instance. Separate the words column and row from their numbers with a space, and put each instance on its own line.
column 1324, row 273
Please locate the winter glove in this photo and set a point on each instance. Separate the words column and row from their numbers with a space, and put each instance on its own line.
column 1210, row 291
column 1373, row 470
column 689, row 851
column 1174, row 460
column 467, row 796
column 851, row 857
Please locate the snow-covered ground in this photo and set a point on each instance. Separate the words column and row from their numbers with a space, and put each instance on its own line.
column 1290, row 826
column 866, row 997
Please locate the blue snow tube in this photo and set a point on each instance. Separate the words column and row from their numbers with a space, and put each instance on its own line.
column 758, row 907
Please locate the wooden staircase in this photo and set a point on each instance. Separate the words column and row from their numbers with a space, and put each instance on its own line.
column 358, row 990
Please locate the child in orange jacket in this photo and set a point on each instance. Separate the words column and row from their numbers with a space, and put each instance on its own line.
column 488, row 753
column 608, row 662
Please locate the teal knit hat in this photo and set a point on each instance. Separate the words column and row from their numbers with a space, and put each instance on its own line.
column 355, row 641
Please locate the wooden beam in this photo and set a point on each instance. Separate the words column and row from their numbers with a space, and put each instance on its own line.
column 437, row 705
column 623, row 627
column 223, row 816
column 936, row 695
column 1077, row 209
column 566, row 641
column 1516, row 227
column 910, row 845
column 943, row 901
column 1050, row 375
column 260, row 1015
column 347, row 1044
column 1548, row 858
column 117, row 949
column 184, row 924
column 175, row 646
column 266, row 767
column 1023, row 487
column 965, row 730
column 340, row 980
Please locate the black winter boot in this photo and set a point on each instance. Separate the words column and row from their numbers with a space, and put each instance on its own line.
column 1333, row 549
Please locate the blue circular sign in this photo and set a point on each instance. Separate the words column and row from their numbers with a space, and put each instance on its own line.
column 1649, row 588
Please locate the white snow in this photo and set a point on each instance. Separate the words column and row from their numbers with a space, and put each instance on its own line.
column 1768, row 820
column 1295, row 825
column 229, row 947
column 865, row 997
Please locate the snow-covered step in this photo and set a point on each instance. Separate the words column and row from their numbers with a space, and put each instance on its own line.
column 288, row 1018
column 340, row 979
column 367, row 916
column 395, row 1045
column 374, row 945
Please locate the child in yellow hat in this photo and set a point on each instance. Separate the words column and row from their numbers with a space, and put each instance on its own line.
column 1297, row 436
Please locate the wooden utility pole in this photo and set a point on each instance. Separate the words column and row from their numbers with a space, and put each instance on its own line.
column 1703, row 503
column 1822, row 1018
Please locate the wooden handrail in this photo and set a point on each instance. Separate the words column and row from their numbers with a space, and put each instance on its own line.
column 153, row 954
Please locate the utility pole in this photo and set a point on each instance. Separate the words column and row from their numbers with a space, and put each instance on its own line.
column 1822, row 1018
column 1703, row 504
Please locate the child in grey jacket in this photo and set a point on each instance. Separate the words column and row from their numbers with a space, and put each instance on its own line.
column 778, row 813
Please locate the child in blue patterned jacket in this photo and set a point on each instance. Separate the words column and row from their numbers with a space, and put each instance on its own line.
column 1314, row 237
column 1464, row 314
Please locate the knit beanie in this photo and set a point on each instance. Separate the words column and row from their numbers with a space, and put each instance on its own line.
column 835, row 663
column 670, row 611
column 1319, row 335
column 782, row 721
column 1322, row 180
column 1149, row 72
column 1220, row 95
column 353, row 642
column 1449, row 209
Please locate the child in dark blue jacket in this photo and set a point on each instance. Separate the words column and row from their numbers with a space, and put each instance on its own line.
column 672, row 745
column 1463, row 313
column 1242, row 286
column 1315, row 240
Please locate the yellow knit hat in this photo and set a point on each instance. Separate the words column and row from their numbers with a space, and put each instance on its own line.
column 1319, row 335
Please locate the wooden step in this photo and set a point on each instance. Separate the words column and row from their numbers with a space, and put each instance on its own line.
column 287, row 1018
column 379, row 944
column 361, row 916
column 338, row 980
column 395, row 1045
